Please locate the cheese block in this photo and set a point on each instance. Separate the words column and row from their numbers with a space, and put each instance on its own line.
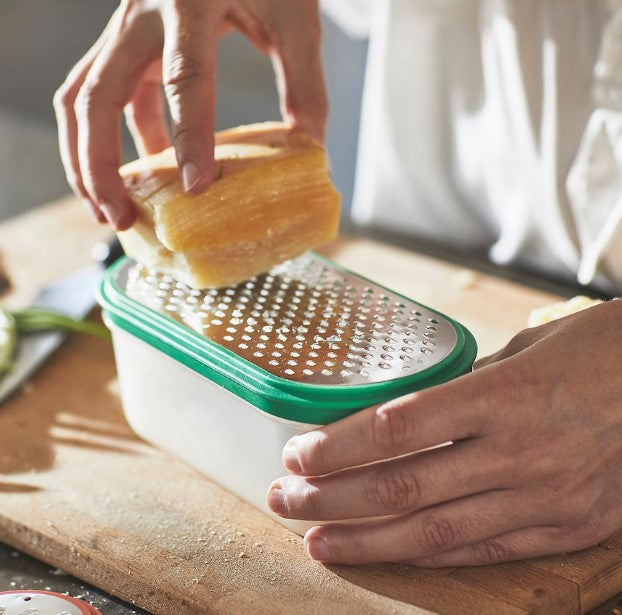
column 547, row 313
column 272, row 200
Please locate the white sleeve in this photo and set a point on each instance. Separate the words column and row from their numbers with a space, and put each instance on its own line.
column 594, row 184
column 352, row 16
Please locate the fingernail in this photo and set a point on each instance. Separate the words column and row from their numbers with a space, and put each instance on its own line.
column 278, row 502
column 190, row 176
column 290, row 458
column 317, row 548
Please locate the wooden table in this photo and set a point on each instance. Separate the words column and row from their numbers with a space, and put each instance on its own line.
column 80, row 491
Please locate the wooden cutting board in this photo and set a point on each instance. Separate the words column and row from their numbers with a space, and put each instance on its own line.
column 80, row 491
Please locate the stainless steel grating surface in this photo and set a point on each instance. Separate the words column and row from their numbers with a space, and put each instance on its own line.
column 306, row 321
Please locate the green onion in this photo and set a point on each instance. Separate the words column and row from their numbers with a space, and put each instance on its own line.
column 8, row 339
column 34, row 319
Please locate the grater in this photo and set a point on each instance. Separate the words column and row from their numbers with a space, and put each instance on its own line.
column 309, row 326
column 223, row 378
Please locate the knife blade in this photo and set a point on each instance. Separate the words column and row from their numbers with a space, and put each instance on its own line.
column 73, row 295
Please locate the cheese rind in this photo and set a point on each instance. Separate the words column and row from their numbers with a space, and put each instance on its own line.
column 272, row 201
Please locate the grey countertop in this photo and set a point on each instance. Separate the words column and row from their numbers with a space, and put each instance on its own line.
column 19, row 571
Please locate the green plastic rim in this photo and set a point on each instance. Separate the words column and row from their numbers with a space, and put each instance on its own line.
column 294, row 401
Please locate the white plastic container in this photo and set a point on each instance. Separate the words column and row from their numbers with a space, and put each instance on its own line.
column 223, row 378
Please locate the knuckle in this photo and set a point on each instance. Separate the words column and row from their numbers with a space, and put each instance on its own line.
column 130, row 11
column 180, row 73
column 391, row 427
column 491, row 552
column 395, row 491
column 87, row 99
column 64, row 97
column 436, row 533
column 182, row 135
column 310, row 503
column 313, row 453
column 131, row 6
column 75, row 182
column 519, row 341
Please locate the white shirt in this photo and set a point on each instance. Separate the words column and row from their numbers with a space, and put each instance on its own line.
column 495, row 123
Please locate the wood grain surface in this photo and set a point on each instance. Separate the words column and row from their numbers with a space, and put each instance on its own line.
column 81, row 492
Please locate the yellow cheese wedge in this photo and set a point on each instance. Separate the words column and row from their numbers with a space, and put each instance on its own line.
column 272, row 201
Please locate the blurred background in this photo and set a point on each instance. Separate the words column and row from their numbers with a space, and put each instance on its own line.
column 40, row 40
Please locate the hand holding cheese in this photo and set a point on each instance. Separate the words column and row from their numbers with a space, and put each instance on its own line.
column 535, row 464
column 271, row 200
column 147, row 45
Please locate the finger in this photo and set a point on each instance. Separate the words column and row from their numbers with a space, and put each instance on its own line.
column 108, row 86
column 64, row 101
column 395, row 487
column 519, row 544
column 189, row 76
column 426, row 533
column 298, row 67
column 523, row 340
column 453, row 411
column 144, row 114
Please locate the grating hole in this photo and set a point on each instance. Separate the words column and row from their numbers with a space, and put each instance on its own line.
column 305, row 311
